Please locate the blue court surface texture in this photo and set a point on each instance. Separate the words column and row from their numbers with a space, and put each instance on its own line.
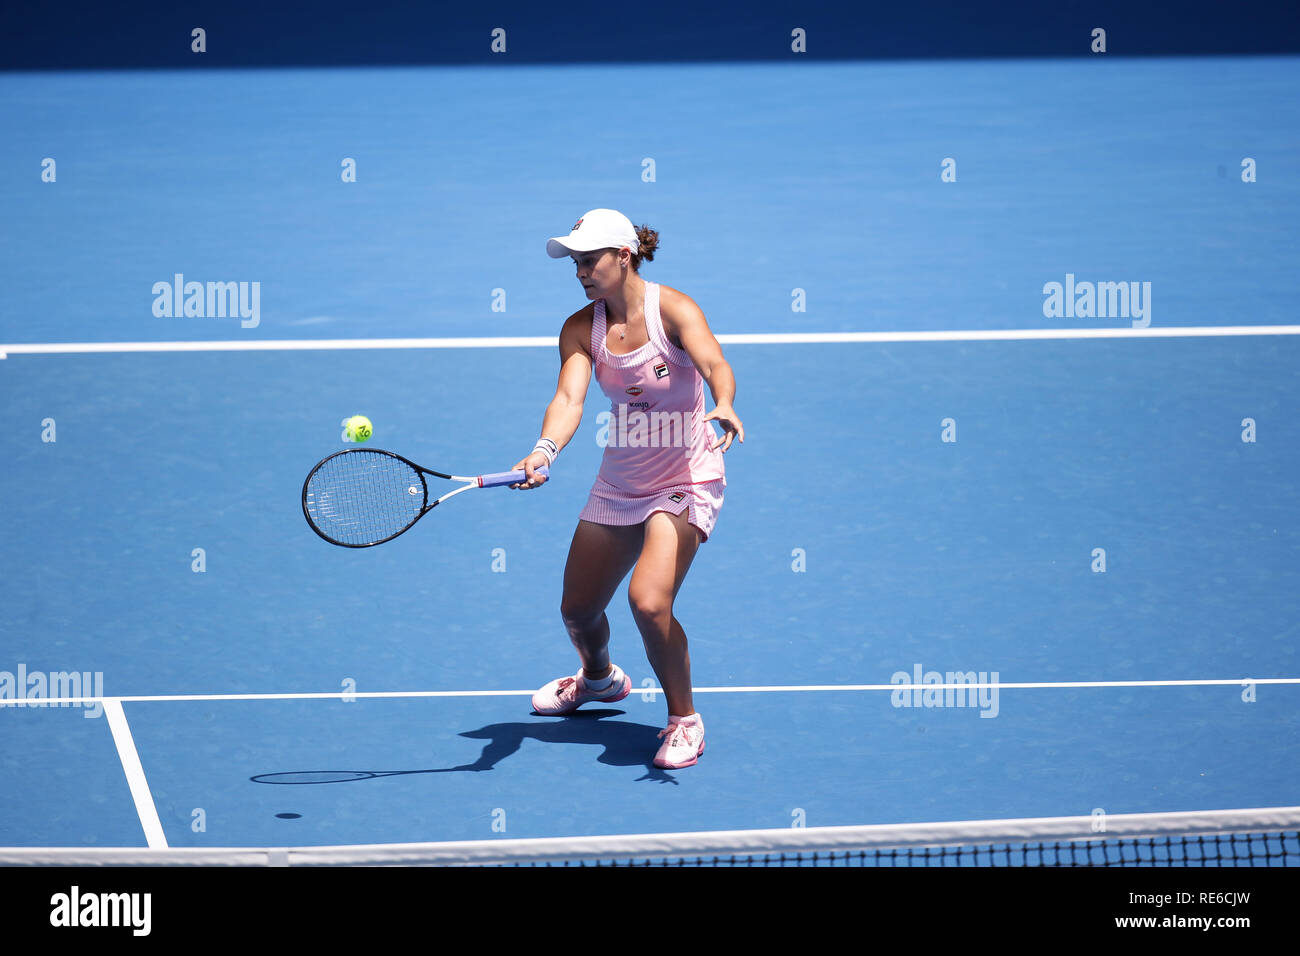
column 1115, row 512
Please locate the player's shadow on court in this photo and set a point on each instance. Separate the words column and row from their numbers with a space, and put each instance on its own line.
column 625, row 745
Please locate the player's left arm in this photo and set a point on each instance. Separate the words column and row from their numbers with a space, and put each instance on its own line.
column 684, row 321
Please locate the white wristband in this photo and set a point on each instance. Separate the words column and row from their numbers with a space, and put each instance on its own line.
column 547, row 448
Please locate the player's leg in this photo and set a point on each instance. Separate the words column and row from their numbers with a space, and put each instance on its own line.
column 599, row 558
column 669, row 547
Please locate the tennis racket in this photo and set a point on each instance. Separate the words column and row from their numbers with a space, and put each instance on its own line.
column 365, row 496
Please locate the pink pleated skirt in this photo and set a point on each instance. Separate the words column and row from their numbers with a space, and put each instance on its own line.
column 610, row 505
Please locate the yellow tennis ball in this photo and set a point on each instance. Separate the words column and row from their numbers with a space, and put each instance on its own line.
column 358, row 428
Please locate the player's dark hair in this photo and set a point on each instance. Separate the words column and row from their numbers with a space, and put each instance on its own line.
column 648, row 241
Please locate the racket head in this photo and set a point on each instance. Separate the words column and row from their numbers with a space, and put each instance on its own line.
column 361, row 497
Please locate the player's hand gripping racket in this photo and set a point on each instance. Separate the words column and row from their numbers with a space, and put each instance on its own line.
column 365, row 496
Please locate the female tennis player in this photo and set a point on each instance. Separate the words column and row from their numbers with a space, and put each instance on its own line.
column 661, row 480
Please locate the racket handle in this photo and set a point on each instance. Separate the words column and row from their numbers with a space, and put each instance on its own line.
column 509, row 477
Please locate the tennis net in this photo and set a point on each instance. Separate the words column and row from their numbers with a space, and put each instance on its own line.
column 1255, row 837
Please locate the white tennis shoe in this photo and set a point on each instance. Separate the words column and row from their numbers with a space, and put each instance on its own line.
column 564, row 695
column 683, row 744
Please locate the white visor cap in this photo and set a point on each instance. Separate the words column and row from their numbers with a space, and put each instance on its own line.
column 598, row 229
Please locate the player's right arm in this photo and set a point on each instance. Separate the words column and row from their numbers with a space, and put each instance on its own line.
column 564, row 413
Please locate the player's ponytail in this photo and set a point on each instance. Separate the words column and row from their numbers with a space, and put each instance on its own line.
column 648, row 241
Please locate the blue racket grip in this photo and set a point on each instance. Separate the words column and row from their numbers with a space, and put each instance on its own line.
column 509, row 477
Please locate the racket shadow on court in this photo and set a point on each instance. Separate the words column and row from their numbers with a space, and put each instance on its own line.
column 625, row 745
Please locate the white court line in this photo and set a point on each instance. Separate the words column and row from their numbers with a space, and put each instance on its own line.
column 764, row 689
column 144, row 806
column 551, row 341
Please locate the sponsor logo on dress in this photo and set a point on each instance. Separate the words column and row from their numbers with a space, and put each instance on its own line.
column 661, row 370
column 676, row 496
column 634, row 389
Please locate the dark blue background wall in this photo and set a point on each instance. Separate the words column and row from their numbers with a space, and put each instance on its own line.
column 78, row 35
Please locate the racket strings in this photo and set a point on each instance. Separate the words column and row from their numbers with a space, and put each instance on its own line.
column 364, row 497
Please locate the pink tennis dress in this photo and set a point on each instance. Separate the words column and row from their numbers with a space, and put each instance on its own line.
column 658, row 447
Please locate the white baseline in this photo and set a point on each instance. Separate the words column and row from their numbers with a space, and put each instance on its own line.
column 551, row 341
column 757, row 689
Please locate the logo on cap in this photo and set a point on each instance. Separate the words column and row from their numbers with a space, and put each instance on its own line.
column 576, row 225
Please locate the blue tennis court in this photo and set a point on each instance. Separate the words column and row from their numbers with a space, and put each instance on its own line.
column 1096, row 525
